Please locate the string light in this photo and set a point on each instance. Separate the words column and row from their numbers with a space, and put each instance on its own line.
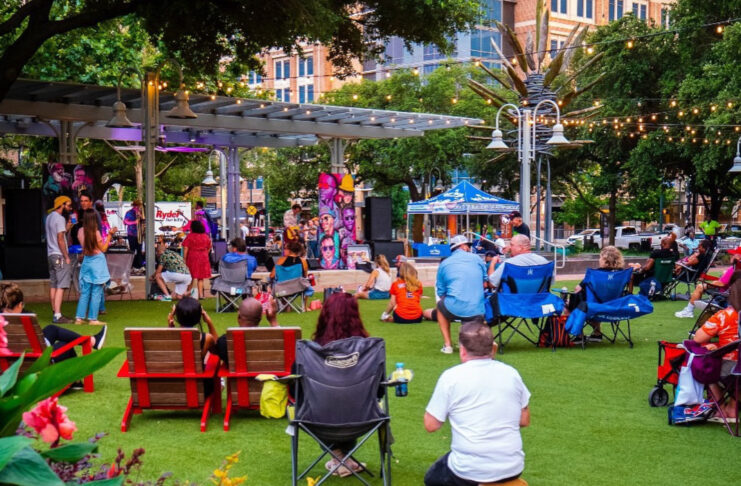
column 719, row 29
column 629, row 44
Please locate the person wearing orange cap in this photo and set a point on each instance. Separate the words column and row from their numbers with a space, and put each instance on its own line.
column 60, row 264
column 721, row 284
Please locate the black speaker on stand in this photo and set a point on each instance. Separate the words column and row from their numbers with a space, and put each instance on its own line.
column 24, row 249
column 378, row 218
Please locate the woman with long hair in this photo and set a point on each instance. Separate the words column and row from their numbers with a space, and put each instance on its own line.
column 379, row 282
column 196, row 248
column 340, row 319
column 405, row 305
column 94, row 270
column 724, row 325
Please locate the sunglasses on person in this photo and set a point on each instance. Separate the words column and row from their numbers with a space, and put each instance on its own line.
column 326, row 217
column 327, row 248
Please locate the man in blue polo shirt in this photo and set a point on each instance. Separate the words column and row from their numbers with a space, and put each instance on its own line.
column 460, row 286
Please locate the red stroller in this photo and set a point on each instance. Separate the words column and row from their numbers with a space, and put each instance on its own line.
column 671, row 357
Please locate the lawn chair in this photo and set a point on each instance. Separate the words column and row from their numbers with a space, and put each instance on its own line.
column 524, row 294
column 25, row 335
column 289, row 287
column 166, row 371
column 664, row 275
column 717, row 302
column 231, row 285
column 607, row 300
column 337, row 400
column 253, row 351
column 688, row 276
column 119, row 267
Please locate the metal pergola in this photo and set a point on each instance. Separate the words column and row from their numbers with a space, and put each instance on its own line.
column 70, row 111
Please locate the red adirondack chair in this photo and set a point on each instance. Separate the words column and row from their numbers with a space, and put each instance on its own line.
column 24, row 335
column 253, row 351
column 166, row 371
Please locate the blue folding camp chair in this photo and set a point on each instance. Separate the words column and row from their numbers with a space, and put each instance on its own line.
column 523, row 294
column 607, row 300
column 289, row 287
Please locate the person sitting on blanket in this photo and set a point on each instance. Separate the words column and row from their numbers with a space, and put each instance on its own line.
column 724, row 325
column 11, row 302
column 721, row 284
column 610, row 260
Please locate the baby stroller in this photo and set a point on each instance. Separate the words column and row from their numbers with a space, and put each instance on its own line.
column 671, row 357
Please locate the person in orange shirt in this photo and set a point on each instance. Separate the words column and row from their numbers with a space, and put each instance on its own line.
column 724, row 325
column 406, row 292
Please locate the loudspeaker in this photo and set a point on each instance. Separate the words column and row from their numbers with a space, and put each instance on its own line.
column 24, row 217
column 378, row 218
column 27, row 261
column 313, row 263
column 389, row 249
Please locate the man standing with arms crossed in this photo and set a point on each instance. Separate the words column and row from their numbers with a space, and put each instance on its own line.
column 487, row 404
column 60, row 265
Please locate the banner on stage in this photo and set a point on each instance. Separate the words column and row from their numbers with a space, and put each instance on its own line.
column 65, row 180
column 336, row 220
column 168, row 216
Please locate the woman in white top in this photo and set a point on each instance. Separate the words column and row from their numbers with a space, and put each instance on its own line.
column 379, row 282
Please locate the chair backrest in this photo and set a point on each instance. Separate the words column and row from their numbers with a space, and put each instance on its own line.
column 24, row 334
column 171, row 351
column 219, row 249
column 233, row 273
column 119, row 266
column 603, row 286
column 340, row 381
column 664, row 270
column 288, row 273
column 532, row 279
column 255, row 350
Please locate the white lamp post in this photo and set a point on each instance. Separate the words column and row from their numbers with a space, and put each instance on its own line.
column 737, row 159
column 526, row 146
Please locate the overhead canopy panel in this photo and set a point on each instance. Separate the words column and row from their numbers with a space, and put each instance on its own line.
column 35, row 107
column 464, row 198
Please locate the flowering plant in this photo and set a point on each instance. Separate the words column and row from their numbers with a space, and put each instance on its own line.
column 50, row 421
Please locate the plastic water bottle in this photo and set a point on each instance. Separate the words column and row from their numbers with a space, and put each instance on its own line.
column 400, row 375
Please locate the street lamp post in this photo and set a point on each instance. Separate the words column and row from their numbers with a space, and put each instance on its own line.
column 527, row 145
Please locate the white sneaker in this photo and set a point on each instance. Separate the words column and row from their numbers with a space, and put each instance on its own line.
column 685, row 313
column 447, row 350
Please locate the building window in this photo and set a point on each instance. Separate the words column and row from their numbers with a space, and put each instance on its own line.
column 258, row 183
column 254, row 77
column 481, row 47
column 429, row 68
column 283, row 69
column 665, row 17
column 584, row 8
column 283, row 94
column 615, row 9
column 306, row 66
column 555, row 46
column 490, row 10
column 395, row 51
column 639, row 11
column 306, row 93
column 559, row 6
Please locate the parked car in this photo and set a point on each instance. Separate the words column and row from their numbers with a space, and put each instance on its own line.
column 628, row 238
column 584, row 236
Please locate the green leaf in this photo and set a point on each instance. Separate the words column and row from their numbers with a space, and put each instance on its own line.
column 51, row 380
column 117, row 481
column 28, row 468
column 9, row 376
column 70, row 452
column 9, row 446
column 43, row 361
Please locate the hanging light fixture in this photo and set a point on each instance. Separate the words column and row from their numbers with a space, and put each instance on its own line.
column 182, row 108
column 737, row 159
column 209, row 179
column 120, row 120
column 557, row 138
column 496, row 141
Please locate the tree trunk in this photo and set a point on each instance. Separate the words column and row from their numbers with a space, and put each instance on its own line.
column 612, row 216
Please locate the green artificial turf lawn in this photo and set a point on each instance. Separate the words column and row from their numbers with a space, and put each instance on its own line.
column 591, row 422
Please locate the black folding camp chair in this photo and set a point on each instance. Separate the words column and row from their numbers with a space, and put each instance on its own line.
column 688, row 276
column 231, row 285
column 337, row 401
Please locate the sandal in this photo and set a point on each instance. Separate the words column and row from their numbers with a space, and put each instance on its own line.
column 97, row 323
column 341, row 471
column 79, row 321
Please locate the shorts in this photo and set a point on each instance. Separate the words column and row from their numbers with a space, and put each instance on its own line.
column 448, row 315
column 401, row 320
column 60, row 273
column 378, row 294
column 181, row 281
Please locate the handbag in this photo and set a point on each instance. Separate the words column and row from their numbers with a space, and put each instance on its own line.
column 707, row 364
column 689, row 390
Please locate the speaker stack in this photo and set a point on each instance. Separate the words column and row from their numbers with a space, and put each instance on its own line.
column 378, row 228
column 24, row 251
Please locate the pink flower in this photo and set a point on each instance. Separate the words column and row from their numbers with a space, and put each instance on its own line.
column 3, row 335
column 49, row 420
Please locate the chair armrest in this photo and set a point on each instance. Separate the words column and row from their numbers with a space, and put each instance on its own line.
column 212, row 365
column 709, row 278
column 682, row 265
column 84, row 341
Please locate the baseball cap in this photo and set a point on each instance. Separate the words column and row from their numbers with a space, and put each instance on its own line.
column 61, row 201
column 515, row 214
column 457, row 241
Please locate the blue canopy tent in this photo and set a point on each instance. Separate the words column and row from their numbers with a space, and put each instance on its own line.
column 462, row 199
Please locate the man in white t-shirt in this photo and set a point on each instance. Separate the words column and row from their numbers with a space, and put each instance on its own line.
column 487, row 403
column 60, row 264
column 520, row 255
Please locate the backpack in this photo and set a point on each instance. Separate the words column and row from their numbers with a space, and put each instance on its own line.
column 553, row 334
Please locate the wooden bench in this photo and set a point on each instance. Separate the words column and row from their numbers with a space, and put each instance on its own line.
column 25, row 336
column 253, row 351
column 166, row 371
